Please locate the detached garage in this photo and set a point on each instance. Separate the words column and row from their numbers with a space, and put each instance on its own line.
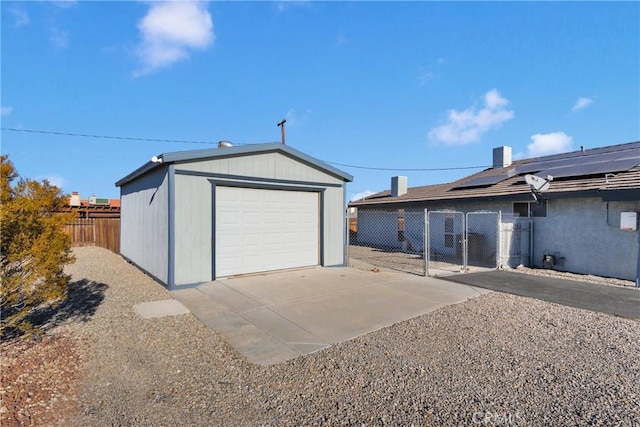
column 195, row 216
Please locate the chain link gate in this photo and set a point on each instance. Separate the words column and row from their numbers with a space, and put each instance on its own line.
column 457, row 243
column 388, row 239
column 483, row 235
column 445, row 242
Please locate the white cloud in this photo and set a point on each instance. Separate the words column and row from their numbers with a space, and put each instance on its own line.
column 64, row 4
column 425, row 77
column 59, row 38
column 20, row 15
column 170, row 30
column 5, row 111
column 295, row 118
column 54, row 179
column 581, row 104
column 549, row 143
column 362, row 195
column 467, row 126
column 287, row 4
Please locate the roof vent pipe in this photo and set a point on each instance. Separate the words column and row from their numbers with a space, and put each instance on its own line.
column 501, row 157
column 398, row 186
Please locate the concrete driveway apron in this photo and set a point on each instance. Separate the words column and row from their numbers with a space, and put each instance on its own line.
column 270, row 318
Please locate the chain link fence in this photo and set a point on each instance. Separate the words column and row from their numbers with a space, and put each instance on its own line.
column 388, row 239
column 454, row 242
column 445, row 242
column 483, row 234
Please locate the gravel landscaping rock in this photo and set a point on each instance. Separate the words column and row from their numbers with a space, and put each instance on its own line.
column 497, row 359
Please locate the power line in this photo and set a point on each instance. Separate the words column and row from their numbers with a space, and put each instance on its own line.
column 126, row 138
column 407, row 169
column 185, row 141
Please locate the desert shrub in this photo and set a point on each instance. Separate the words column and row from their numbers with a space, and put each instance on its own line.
column 33, row 248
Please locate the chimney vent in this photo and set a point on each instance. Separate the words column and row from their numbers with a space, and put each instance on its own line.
column 501, row 157
column 74, row 199
column 398, row 186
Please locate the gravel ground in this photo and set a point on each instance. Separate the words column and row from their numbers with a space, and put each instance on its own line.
column 386, row 259
column 589, row 278
column 497, row 359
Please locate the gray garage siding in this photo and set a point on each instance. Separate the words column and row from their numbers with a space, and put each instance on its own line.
column 334, row 226
column 193, row 229
column 194, row 206
column 272, row 166
column 144, row 222
column 169, row 210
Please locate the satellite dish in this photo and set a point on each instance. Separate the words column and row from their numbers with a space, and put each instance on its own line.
column 538, row 185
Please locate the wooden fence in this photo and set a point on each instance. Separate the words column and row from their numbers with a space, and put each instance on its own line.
column 103, row 232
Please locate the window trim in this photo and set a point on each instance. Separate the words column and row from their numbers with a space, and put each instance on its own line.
column 530, row 209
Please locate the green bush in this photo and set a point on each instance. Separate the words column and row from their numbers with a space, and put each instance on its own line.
column 34, row 248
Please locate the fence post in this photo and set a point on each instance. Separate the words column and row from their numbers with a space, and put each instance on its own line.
column 499, row 244
column 425, row 243
column 465, row 240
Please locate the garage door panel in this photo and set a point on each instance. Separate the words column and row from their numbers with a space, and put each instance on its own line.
column 262, row 230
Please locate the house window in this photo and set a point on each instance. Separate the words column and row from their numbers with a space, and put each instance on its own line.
column 448, row 232
column 530, row 209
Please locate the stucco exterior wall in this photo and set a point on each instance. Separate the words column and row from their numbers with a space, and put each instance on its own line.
column 586, row 233
column 378, row 228
column 583, row 233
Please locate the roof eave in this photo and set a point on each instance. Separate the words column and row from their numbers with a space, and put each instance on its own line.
column 146, row 168
column 617, row 195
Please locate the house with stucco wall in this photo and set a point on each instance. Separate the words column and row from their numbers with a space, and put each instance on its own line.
column 587, row 217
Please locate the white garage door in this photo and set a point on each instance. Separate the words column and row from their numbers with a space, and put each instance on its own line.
column 263, row 230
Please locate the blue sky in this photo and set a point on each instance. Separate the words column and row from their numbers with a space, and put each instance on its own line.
column 399, row 85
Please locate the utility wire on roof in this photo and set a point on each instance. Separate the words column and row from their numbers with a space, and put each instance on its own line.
column 127, row 138
column 183, row 141
column 407, row 169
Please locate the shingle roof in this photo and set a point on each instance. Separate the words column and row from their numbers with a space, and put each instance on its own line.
column 511, row 183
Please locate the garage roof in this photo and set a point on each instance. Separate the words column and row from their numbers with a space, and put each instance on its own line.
column 225, row 152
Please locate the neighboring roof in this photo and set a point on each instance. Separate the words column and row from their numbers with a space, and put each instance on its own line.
column 612, row 173
column 224, row 152
column 114, row 203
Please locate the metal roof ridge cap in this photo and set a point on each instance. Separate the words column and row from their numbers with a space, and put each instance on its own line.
column 317, row 162
column 178, row 156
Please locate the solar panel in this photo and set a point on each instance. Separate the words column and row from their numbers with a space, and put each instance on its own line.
column 487, row 180
column 591, row 163
column 619, row 165
column 593, row 168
